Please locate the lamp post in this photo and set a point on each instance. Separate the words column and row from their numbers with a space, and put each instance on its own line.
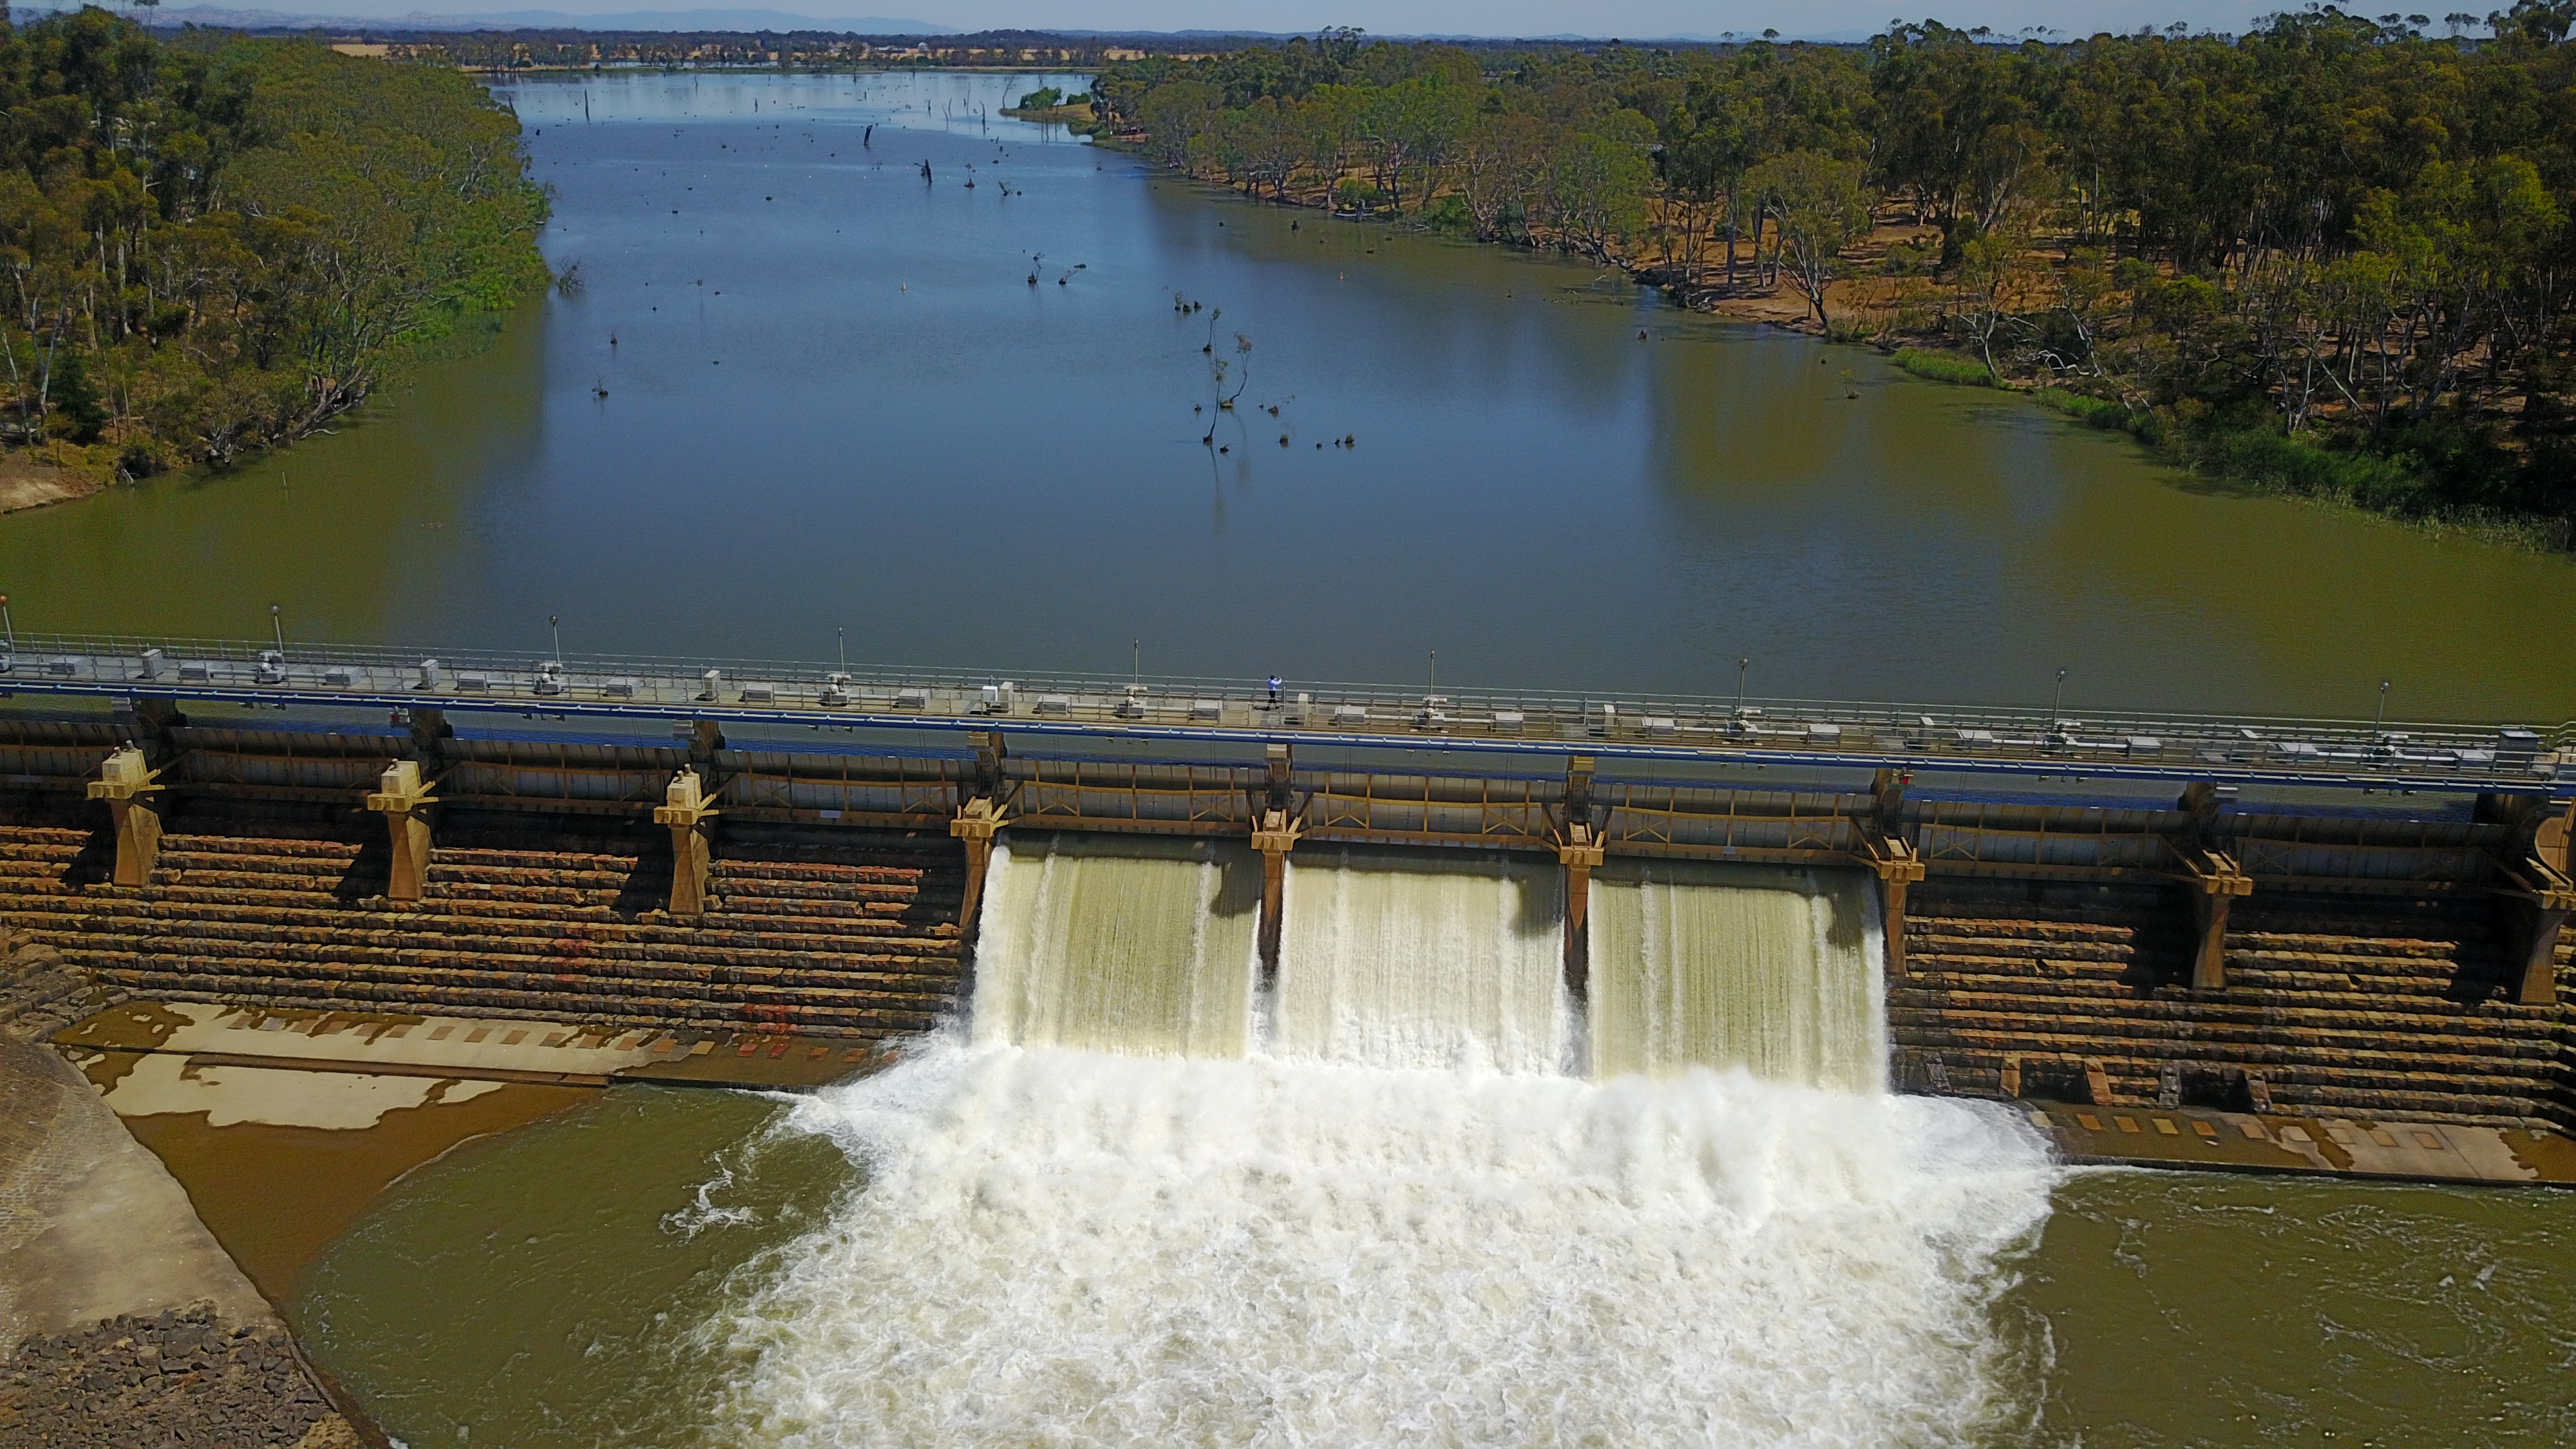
column 277, row 626
column 2380, row 719
column 1741, row 666
column 554, row 624
column 8, row 623
column 2057, row 701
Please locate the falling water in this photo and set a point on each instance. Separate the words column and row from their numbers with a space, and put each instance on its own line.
column 1395, row 1219
column 1422, row 959
column 1771, row 970
column 1141, row 946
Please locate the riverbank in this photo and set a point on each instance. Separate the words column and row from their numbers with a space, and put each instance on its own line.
column 2304, row 357
column 305, row 269
column 122, row 1321
column 2260, row 459
column 1865, row 310
column 35, row 477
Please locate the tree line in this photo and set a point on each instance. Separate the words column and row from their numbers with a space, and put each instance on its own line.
column 2332, row 253
column 214, row 244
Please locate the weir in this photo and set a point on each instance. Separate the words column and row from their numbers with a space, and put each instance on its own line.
column 1430, row 961
column 2201, row 932
column 1771, row 970
column 1130, row 945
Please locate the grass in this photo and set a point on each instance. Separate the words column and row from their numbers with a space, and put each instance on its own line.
column 1943, row 367
column 2096, row 412
column 2267, row 461
column 2270, row 462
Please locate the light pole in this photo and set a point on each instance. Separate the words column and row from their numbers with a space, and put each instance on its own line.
column 2057, row 702
column 1741, row 666
column 8, row 623
column 841, row 645
column 554, row 623
column 1434, row 686
column 277, row 626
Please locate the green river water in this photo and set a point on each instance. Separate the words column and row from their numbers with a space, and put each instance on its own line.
column 544, row 1289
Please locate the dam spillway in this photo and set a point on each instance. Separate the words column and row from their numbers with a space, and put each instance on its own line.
column 1136, row 945
column 1438, row 960
column 2100, row 941
column 1756, row 967
column 1430, row 960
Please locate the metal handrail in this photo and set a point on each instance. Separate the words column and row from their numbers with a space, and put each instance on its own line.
column 1961, row 736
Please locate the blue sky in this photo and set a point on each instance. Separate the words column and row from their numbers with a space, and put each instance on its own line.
column 1627, row 18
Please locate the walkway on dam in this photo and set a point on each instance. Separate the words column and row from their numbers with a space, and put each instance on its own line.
column 1989, row 739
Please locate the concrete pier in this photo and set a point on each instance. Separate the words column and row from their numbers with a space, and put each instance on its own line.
column 126, row 783
column 690, row 817
column 405, row 800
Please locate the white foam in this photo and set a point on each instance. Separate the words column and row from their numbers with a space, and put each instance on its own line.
column 1434, row 959
column 1136, row 945
column 1059, row 1247
column 1775, row 971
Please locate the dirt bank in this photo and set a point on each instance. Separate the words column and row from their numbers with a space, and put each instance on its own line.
column 29, row 479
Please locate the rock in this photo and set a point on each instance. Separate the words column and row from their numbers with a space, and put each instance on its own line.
column 173, row 1378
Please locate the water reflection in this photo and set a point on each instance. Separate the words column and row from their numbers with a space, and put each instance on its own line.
column 835, row 399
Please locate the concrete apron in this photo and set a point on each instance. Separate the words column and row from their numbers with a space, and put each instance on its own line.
column 2361, row 1147
column 472, row 1048
column 91, row 1224
column 403, row 1060
column 100, row 1249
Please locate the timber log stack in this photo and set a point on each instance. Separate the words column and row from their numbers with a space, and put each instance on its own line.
column 851, row 935
column 2331, row 1005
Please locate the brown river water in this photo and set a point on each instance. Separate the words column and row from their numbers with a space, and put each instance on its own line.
column 834, row 400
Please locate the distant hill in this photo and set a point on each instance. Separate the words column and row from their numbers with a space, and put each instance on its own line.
column 671, row 20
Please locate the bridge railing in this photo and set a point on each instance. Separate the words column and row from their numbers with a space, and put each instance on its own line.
column 1926, row 735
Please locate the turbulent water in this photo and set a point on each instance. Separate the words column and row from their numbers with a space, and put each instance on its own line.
column 1145, row 948
column 1422, row 959
column 1737, row 966
column 1062, row 1247
column 1392, row 1217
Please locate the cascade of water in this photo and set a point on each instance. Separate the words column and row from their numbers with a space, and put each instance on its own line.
column 1130, row 945
column 1422, row 959
column 1771, row 970
column 1336, row 1242
column 1073, row 1248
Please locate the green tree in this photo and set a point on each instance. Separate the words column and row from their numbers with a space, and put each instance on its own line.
column 1823, row 206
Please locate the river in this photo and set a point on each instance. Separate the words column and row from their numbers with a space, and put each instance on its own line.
column 834, row 399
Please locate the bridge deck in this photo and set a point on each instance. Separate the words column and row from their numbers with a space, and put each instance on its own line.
column 2517, row 758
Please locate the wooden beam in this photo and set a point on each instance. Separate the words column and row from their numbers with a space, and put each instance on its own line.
column 977, row 822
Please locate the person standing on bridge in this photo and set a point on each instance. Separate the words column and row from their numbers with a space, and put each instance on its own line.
column 1274, row 691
